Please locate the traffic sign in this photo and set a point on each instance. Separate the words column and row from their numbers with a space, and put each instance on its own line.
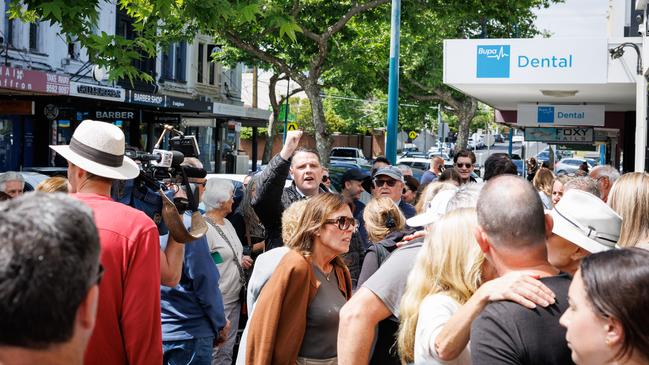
column 412, row 135
column 292, row 126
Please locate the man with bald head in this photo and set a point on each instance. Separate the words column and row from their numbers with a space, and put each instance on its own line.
column 512, row 236
column 436, row 168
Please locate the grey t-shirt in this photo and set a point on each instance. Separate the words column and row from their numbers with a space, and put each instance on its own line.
column 508, row 333
column 322, row 318
column 389, row 281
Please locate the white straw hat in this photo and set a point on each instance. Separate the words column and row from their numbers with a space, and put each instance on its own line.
column 98, row 148
column 585, row 220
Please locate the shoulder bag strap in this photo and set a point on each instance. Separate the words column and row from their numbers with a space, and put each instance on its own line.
column 242, row 273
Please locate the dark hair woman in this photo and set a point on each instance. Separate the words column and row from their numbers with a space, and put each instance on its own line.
column 607, row 321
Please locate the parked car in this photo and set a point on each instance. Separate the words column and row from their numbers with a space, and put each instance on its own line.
column 348, row 154
column 471, row 144
column 498, row 138
column 32, row 179
column 415, row 162
column 570, row 165
column 544, row 156
column 413, row 154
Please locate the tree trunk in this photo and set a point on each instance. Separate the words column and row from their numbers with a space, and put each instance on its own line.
column 272, row 123
column 465, row 112
column 322, row 140
column 270, row 137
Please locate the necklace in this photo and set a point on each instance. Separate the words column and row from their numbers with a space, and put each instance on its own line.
column 327, row 276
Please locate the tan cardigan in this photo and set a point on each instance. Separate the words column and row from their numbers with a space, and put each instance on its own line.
column 278, row 322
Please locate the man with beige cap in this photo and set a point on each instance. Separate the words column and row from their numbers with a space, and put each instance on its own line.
column 582, row 224
column 128, row 329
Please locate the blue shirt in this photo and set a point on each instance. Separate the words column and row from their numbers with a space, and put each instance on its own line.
column 427, row 177
column 408, row 210
column 194, row 308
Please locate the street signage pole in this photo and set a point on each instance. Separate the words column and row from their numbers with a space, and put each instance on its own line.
column 393, row 84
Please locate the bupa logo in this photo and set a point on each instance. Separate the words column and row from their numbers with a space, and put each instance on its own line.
column 493, row 61
column 545, row 114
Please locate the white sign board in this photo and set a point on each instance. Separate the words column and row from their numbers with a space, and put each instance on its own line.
column 547, row 115
column 526, row 61
column 97, row 91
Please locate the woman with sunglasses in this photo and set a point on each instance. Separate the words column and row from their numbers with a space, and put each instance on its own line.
column 296, row 315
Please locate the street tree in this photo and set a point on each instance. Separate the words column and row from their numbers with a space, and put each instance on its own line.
column 424, row 26
column 295, row 37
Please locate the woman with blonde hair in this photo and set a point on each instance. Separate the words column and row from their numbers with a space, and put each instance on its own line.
column 629, row 197
column 558, row 188
column 444, row 293
column 385, row 225
column 543, row 181
column 295, row 319
column 54, row 184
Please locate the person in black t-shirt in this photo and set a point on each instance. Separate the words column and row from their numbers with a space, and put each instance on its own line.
column 512, row 237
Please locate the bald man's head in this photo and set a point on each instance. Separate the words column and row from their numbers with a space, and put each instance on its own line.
column 511, row 213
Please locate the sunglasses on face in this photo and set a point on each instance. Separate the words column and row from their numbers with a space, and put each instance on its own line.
column 343, row 223
column 464, row 165
column 325, row 178
column 378, row 183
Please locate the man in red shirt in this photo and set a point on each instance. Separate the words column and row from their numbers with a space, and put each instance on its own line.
column 128, row 329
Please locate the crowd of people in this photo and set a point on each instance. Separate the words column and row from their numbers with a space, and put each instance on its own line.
column 390, row 270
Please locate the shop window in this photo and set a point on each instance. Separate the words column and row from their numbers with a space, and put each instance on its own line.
column 181, row 61
column 9, row 26
column 200, row 63
column 33, row 37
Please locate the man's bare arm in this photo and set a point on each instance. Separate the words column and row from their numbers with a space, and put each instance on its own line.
column 358, row 319
column 171, row 263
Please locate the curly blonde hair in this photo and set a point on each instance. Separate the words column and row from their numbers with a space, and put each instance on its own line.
column 291, row 218
column 450, row 263
column 377, row 213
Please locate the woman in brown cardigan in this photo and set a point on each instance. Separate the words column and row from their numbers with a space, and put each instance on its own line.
column 296, row 316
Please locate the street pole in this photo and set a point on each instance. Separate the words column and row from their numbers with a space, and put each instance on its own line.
column 393, row 84
column 640, row 123
column 440, row 126
column 288, row 90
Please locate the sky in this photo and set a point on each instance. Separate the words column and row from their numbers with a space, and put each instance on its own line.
column 575, row 18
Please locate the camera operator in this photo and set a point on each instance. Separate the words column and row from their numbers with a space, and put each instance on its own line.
column 128, row 328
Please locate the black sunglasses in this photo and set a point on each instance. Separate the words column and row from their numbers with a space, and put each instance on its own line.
column 380, row 183
column 342, row 222
column 464, row 165
column 325, row 178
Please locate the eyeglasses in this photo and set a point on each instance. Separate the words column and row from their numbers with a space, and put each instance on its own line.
column 464, row 165
column 378, row 183
column 343, row 223
column 325, row 178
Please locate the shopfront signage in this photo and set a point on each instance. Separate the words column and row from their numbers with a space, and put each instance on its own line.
column 114, row 114
column 189, row 104
column 97, row 91
column 560, row 115
column 542, row 61
column 33, row 81
column 559, row 135
column 136, row 97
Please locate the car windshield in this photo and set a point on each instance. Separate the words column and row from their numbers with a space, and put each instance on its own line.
column 343, row 153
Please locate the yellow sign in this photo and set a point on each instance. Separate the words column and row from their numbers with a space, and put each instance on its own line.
column 292, row 126
column 411, row 135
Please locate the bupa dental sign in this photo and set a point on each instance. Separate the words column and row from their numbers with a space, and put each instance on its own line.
column 542, row 61
column 495, row 61
column 560, row 115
